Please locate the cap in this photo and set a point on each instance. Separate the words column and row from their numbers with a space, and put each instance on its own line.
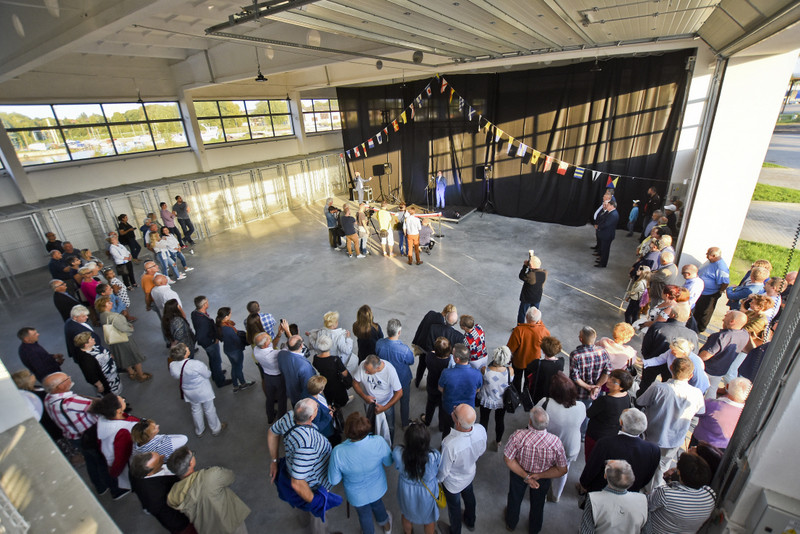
column 671, row 207
column 635, row 201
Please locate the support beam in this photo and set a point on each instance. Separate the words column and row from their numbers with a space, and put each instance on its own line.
column 18, row 175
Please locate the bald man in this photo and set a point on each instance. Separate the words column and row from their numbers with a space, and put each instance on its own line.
column 722, row 348
column 691, row 282
column 716, row 277
column 161, row 293
column 460, row 452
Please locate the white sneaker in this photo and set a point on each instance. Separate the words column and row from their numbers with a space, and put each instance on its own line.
column 187, row 269
column 191, row 251
column 171, row 281
column 181, row 277
column 360, row 256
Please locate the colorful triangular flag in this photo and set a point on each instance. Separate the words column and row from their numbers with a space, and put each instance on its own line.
column 612, row 181
column 444, row 85
column 596, row 175
column 548, row 162
column 471, row 112
column 460, row 104
column 395, row 125
column 411, row 106
column 371, row 143
column 364, row 149
column 452, row 92
column 428, row 89
column 578, row 173
column 348, row 154
column 522, row 150
column 356, row 152
column 418, row 100
column 535, row 157
column 379, row 138
column 403, row 117
column 562, row 167
column 498, row 134
column 510, row 145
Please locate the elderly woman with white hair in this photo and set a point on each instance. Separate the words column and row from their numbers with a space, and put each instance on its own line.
column 615, row 509
column 717, row 424
column 342, row 342
column 682, row 348
column 496, row 378
column 333, row 369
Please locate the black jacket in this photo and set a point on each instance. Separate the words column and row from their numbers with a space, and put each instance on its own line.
column 152, row 493
column 642, row 455
column 205, row 329
column 423, row 334
column 533, row 284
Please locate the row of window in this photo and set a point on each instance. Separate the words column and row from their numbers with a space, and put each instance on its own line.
column 44, row 134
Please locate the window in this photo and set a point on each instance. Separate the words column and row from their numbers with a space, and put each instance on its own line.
column 321, row 115
column 69, row 132
column 225, row 121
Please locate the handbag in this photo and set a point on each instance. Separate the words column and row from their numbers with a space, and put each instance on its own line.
column 511, row 398
column 345, row 380
column 112, row 335
column 441, row 500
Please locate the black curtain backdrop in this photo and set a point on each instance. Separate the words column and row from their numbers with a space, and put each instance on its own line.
column 622, row 120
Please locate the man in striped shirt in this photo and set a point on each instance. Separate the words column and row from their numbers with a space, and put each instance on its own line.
column 307, row 453
column 684, row 505
column 70, row 412
column 534, row 457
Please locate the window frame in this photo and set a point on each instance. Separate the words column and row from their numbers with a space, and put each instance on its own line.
column 314, row 112
column 247, row 115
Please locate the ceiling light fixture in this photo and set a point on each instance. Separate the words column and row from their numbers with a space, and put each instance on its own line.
column 595, row 67
column 260, row 77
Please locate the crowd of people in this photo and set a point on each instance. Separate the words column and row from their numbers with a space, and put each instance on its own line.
column 652, row 424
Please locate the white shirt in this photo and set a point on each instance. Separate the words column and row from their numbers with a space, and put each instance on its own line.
column 267, row 358
column 119, row 253
column 412, row 225
column 381, row 385
column 172, row 242
column 196, row 384
column 460, row 453
column 160, row 296
column 162, row 249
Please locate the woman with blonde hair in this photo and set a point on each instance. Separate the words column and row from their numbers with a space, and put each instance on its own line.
column 682, row 348
column 342, row 342
column 620, row 354
column 367, row 331
column 496, row 378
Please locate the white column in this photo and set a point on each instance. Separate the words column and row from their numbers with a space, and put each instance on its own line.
column 193, row 131
column 297, row 121
column 19, row 177
column 752, row 92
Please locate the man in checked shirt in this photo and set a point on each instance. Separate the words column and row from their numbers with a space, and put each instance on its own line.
column 589, row 368
column 534, row 457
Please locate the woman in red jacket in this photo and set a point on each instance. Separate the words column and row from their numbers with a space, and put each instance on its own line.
column 114, row 435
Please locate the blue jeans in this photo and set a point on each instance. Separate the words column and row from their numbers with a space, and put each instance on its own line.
column 237, row 365
column 402, row 242
column 178, row 255
column 516, row 492
column 165, row 266
column 188, row 229
column 454, row 508
column 96, row 467
column 390, row 421
column 215, row 364
column 366, row 512
column 588, row 402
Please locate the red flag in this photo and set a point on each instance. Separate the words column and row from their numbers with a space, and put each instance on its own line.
column 396, row 126
column 548, row 162
column 444, row 85
column 356, row 152
column 562, row 167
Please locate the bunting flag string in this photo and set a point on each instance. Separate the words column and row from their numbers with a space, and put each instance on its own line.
column 528, row 154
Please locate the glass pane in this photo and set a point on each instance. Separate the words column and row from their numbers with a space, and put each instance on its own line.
column 90, row 142
column 211, row 131
column 228, row 107
column 257, row 107
column 306, row 105
column 261, row 127
column 124, row 112
column 206, row 109
column 323, row 121
column 308, row 123
column 79, row 114
column 334, row 104
column 35, row 147
column 283, row 125
column 279, row 106
column 336, row 121
column 27, row 116
column 168, row 134
column 321, row 105
column 236, row 129
column 132, row 138
column 162, row 110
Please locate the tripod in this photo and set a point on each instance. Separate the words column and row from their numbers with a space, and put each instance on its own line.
column 487, row 202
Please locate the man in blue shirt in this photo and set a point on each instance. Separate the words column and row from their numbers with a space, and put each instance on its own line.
column 753, row 286
column 716, row 277
column 460, row 383
column 295, row 369
column 401, row 357
column 633, row 217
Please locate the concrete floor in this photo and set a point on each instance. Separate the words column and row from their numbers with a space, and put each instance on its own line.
column 286, row 264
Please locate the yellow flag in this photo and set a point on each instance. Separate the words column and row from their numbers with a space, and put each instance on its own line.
column 535, row 157
column 403, row 117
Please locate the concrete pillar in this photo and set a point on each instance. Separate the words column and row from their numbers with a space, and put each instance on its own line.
column 753, row 87
column 193, row 131
column 297, row 121
column 18, row 175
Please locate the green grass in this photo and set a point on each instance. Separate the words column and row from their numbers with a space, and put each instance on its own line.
column 768, row 165
column 749, row 251
column 772, row 193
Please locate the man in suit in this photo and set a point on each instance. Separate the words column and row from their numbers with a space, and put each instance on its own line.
column 626, row 445
column 64, row 301
column 295, row 369
column 76, row 324
column 657, row 340
column 422, row 338
column 151, row 482
column 606, row 231
column 206, row 334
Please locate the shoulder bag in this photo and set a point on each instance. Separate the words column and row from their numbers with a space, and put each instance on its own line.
column 441, row 500
column 511, row 398
column 345, row 380
column 111, row 334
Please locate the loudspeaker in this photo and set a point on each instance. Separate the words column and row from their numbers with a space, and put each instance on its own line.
column 381, row 169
